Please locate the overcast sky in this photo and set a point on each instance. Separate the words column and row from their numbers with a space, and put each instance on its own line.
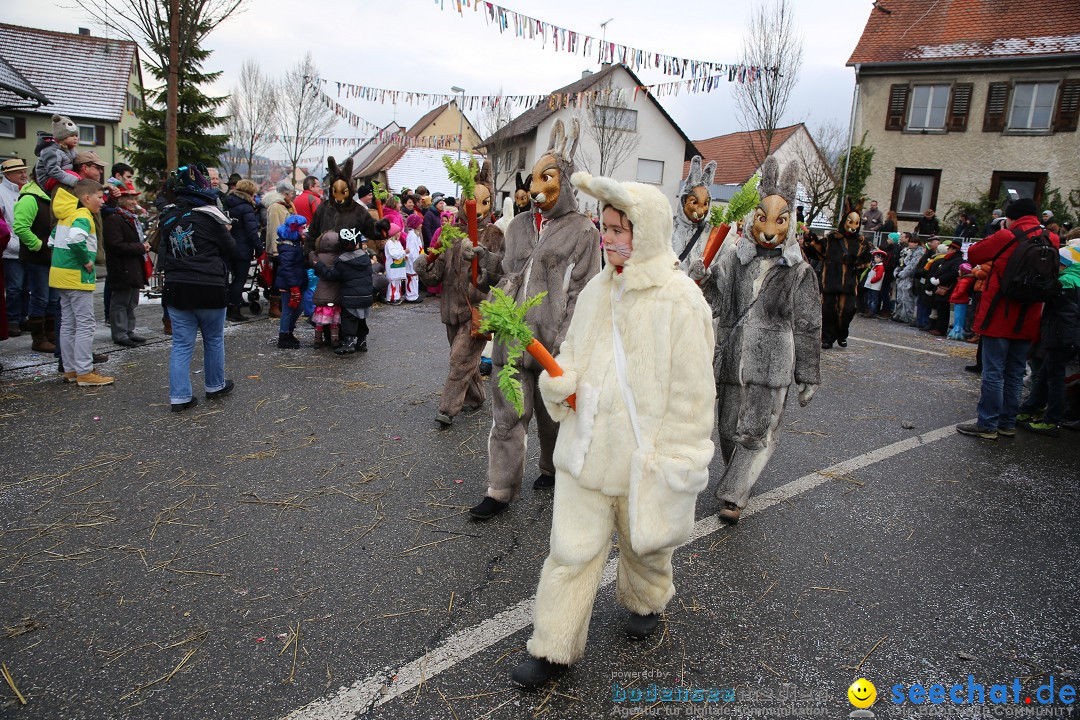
column 415, row 45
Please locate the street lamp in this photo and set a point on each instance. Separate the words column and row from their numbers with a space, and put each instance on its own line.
column 461, row 125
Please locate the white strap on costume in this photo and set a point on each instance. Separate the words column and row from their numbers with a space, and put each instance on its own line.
column 620, row 367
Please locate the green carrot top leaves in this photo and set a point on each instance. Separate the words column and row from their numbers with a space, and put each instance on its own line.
column 462, row 175
column 379, row 191
column 449, row 234
column 743, row 201
column 506, row 319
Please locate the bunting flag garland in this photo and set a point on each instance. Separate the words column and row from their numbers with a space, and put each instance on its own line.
column 561, row 39
column 441, row 142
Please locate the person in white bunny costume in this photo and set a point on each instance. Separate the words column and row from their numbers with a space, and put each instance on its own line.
column 635, row 453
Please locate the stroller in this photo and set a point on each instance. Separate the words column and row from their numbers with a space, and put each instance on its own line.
column 260, row 280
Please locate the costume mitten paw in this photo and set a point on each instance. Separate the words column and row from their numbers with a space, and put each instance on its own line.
column 555, row 390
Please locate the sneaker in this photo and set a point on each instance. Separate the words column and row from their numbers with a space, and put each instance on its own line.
column 362, row 347
column 100, row 358
column 287, row 342
column 977, row 369
column 1007, row 432
column 92, row 379
column 534, row 672
column 180, row 407
column 639, row 627
column 225, row 390
column 826, row 346
column 1070, row 424
column 842, row 343
column 1026, row 417
column 544, row 482
column 976, row 430
column 488, row 508
column 126, row 342
column 69, row 377
column 1043, row 428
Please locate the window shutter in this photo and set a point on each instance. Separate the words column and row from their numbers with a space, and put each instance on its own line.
column 897, row 112
column 1068, row 109
column 20, row 127
column 997, row 107
column 99, row 134
column 959, row 107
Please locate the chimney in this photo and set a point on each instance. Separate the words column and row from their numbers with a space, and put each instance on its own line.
column 84, row 31
column 585, row 74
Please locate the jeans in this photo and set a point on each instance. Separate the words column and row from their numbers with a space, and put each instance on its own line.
column 1048, row 389
column 289, row 315
column 15, row 290
column 959, row 318
column 122, row 320
column 44, row 300
column 76, row 335
column 922, row 315
column 186, row 323
column 1003, row 363
column 873, row 301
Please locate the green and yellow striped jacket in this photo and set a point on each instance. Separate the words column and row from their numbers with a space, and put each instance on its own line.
column 74, row 243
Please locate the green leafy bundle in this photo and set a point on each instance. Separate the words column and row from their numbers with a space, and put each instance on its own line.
column 742, row 202
column 506, row 319
column 379, row 191
column 449, row 234
column 463, row 175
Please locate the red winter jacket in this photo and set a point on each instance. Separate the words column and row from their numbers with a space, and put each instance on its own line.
column 306, row 203
column 1006, row 311
column 961, row 294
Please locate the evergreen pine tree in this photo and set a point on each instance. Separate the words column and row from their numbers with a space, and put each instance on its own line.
column 196, row 119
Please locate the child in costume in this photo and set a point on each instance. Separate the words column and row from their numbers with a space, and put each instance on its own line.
column 414, row 248
column 356, row 274
column 327, row 296
column 767, row 314
column 395, row 265
column 557, row 255
column 56, row 159
column 291, row 277
column 635, row 453
column 452, row 269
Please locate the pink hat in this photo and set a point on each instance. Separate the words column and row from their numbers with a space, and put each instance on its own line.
column 413, row 221
column 395, row 230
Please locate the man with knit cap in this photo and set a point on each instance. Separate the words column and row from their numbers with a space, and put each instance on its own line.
column 58, row 157
column 1007, row 327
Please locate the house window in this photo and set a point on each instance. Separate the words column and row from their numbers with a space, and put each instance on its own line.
column 650, row 171
column 521, row 159
column 1016, row 185
column 1032, row 106
column 508, row 159
column 615, row 118
column 7, row 126
column 929, row 104
column 125, row 138
column 87, row 135
column 914, row 190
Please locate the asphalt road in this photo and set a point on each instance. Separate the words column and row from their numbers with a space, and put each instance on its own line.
column 254, row 556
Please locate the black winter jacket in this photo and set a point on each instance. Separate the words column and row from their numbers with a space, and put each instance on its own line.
column 350, row 220
column 290, row 271
column 245, row 224
column 124, row 253
column 353, row 270
column 195, row 246
column 1061, row 321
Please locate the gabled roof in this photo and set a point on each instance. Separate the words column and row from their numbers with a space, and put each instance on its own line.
column 912, row 31
column 735, row 162
column 529, row 120
column 26, row 95
column 387, row 157
column 84, row 76
column 424, row 166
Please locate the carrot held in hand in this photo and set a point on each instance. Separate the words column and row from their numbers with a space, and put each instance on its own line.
column 547, row 362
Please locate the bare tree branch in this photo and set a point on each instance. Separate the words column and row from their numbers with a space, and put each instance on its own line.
column 773, row 43
column 497, row 116
column 302, row 118
column 818, row 169
column 252, row 108
column 613, row 127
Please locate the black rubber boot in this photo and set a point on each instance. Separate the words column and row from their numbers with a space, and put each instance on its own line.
column 285, row 341
column 639, row 627
column 488, row 508
column 534, row 672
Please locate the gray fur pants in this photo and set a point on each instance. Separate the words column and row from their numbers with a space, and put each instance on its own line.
column 905, row 301
column 508, row 440
column 748, row 416
column 463, row 382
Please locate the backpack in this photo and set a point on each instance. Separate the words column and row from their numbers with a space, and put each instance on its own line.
column 1030, row 275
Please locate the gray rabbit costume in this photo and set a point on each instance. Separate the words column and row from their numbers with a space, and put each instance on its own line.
column 693, row 229
column 767, row 313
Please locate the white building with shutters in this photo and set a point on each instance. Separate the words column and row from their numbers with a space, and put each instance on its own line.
column 93, row 80
column 968, row 97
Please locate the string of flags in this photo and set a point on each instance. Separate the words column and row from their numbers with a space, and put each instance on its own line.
column 560, row 38
column 382, row 135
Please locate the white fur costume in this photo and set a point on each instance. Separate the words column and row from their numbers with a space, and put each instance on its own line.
column 638, row 472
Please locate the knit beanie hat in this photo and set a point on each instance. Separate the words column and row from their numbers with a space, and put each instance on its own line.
column 395, row 230
column 63, row 128
column 1021, row 208
column 414, row 221
column 965, row 268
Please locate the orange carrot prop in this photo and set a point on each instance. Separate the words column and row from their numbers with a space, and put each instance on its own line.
column 380, row 194
column 743, row 201
column 506, row 319
column 716, row 239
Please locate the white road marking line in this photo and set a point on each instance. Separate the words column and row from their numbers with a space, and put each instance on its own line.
column 352, row 701
column 899, row 347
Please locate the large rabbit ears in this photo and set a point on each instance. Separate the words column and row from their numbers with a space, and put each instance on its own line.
column 559, row 140
column 697, row 176
column 604, row 189
column 484, row 176
column 523, row 184
column 331, row 166
column 774, row 183
column 853, row 206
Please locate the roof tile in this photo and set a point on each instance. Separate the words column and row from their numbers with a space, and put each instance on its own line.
column 734, row 160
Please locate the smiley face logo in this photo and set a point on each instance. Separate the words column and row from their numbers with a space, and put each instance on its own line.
column 862, row 693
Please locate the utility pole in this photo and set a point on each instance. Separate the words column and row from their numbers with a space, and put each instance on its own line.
column 603, row 39
column 172, row 91
column 461, row 126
